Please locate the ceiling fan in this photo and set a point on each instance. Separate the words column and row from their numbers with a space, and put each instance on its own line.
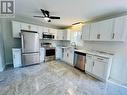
column 46, row 16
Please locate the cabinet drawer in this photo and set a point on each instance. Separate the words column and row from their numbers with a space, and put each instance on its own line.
column 101, row 59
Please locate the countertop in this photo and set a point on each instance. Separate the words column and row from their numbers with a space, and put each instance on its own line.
column 107, row 55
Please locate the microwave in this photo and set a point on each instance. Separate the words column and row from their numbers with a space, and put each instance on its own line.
column 47, row 36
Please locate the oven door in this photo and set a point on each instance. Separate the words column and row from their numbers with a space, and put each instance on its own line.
column 49, row 54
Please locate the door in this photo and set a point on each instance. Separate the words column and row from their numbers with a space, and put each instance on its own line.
column 89, row 63
column 30, row 42
column 119, row 28
column 29, row 59
column 105, row 29
column 99, row 69
column 86, row 32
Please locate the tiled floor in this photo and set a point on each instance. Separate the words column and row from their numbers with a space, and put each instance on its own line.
column 53, row 78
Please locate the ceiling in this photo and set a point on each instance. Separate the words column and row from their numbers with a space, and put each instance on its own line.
column 70, row 11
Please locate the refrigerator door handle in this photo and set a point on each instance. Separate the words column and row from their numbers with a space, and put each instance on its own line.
column 23, row 45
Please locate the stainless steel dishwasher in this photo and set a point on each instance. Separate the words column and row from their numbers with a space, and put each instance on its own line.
column 79, row 60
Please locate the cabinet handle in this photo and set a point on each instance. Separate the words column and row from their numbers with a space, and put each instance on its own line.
column 98, row 36
column 113, row 35
column 29, row 27
column 93, row 64
column 67, row 54
column 100, row 59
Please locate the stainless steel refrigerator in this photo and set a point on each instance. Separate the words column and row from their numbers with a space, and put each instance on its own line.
column 30, row 47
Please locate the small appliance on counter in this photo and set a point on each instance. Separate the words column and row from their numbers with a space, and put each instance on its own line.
column 49, row 51
column 30, row 48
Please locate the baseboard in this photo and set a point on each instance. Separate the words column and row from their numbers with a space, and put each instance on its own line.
column 117, row 83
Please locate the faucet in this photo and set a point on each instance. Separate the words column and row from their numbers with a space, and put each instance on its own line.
column 73, row 44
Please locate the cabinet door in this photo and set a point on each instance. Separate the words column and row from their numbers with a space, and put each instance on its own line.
column 16, row 29
column 94, row 31
column 86, row 32
column 42, row 54
column 60, row 35
column 40, row 31
column 65, row 59
column 46, row 29
column 119, row 28
column 89, row 63
column 105, row 29
column 70, row 56
column 54, row 32
column 99, row 69
column 16, row 58
column 58, row 53
column 33, row 28
column 66, row 34
column 25, row 26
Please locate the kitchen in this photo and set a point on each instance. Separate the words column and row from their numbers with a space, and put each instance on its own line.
column 94, row 51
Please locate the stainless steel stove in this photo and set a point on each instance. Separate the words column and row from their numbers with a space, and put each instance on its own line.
column 49, row 51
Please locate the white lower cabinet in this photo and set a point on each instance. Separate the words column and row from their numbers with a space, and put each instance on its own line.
column 16, row 58
column 42, row 54
column 99, row 69
column 98, row 66
column 68, row 55
column 58, row 53
column 89, row 63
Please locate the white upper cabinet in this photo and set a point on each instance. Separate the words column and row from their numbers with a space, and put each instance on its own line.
column 25, row 26
column 33, row 27
column 63, row 34
column 54, row 32
column 94, row 31
column 105, row 29
column 60, row 35
column 46, row 29
column 40, row 31
column 16, row 29
column 101, row 30
column 120, row 28
column 86, row 32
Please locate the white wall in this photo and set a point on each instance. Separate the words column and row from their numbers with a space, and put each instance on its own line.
column 2, row 63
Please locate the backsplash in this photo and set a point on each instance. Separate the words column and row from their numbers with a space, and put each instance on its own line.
column 56, row 43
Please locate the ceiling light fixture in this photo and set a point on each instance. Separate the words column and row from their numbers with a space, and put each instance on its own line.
column 78, row 23
column 46, row 18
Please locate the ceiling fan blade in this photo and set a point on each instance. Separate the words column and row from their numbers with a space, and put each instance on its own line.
column 39, row 16
column 54, row 17
column 43, row 11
